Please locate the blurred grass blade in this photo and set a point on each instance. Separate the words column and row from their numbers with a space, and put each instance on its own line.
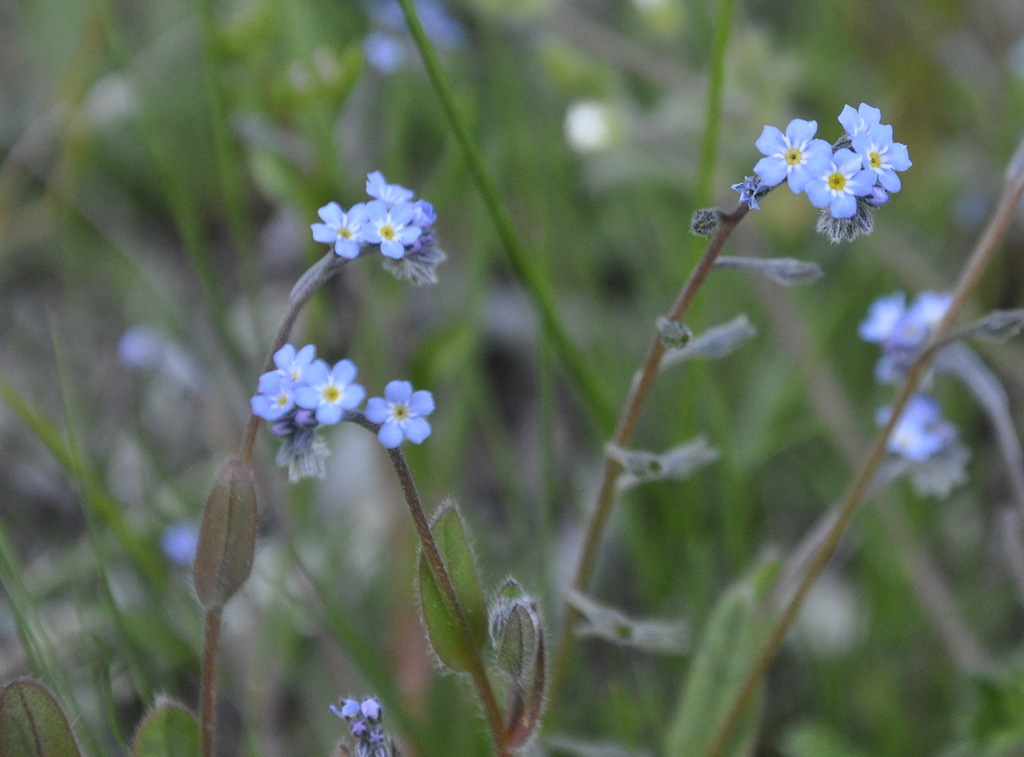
column 227, row 536
column 32, row 724
column 169, row 730
column 716, row 675
column 446, row 631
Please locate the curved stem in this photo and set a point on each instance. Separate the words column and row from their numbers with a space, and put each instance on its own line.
column 983, row 252
column 635, row 400
column 478, row 671
column 307, row 285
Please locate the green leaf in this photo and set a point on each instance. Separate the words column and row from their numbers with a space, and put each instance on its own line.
column 169, row 730
column 227, row 536
column 32, row 724
column 456, row 644
column 716, row 674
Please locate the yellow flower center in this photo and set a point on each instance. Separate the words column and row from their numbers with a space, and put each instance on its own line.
column 331, row 394
column 345, row 233
column 400, row 412
column 874, row 160
column 794, row 156
column 836, row 182
column 387, row 233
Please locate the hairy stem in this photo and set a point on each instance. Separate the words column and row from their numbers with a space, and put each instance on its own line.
column 639, row 390
column 421, row 522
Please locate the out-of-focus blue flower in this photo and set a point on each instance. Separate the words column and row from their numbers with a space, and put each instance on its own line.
column 861, row 120
column 883, row 315
column 388, row 47
column 921, row 431
column 147, row 348
column 840, row 183
column 794, row 156
column 330, row 391
column 401, row 413
column 385, row 52
column 179, row 542
column 882, row 156
column 341, row 229
column 902, row 331
column 391, row 228
column 390, row 194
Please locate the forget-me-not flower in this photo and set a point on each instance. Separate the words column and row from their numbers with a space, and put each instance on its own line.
column 391, row 228
column 341, row 229
column 275, row 397
column 901, row 330
column 330, row 391
column 794, row 156
column 861, row 120
column 920, row 432
column 401, row 413
column 882, row 156
column 390, row 194
column 840, row 184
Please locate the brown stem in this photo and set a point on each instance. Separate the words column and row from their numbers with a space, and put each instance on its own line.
column 634, row 403
column 208, row 695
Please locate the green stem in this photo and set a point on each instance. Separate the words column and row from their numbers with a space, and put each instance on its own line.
column 981, row 256
column 585, row 380
column 635, row 400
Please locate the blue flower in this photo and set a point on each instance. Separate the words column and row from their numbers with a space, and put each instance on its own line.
column 341, row 229
column 179, row 542
column 391, row 228
column 882, row 156
column 883, row 315
column 401, row 413
column 391, row 194
column 330, row 391
column 902, row 331
column 859, row 121
column 750, row 189
column 292, row 363
column 275, row 396
column 794, row 156
column 920, row 431
column 840, row 184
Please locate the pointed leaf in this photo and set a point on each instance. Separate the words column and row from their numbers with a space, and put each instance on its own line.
column 32, row 724
column 715, row 677
column 169, row 730
column 227, row 535
column 446, row 630
column 715, row 343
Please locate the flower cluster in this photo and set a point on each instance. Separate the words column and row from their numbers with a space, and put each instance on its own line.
column 392, row 222
column 921, row 437
column 364, row 720
column 388, row 47
column 902, row 330
column 304, row 393
column 846, row 179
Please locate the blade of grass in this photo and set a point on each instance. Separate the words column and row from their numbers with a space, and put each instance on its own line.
column 584, row 379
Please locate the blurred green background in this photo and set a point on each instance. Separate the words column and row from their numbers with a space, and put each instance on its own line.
column 161, row 164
